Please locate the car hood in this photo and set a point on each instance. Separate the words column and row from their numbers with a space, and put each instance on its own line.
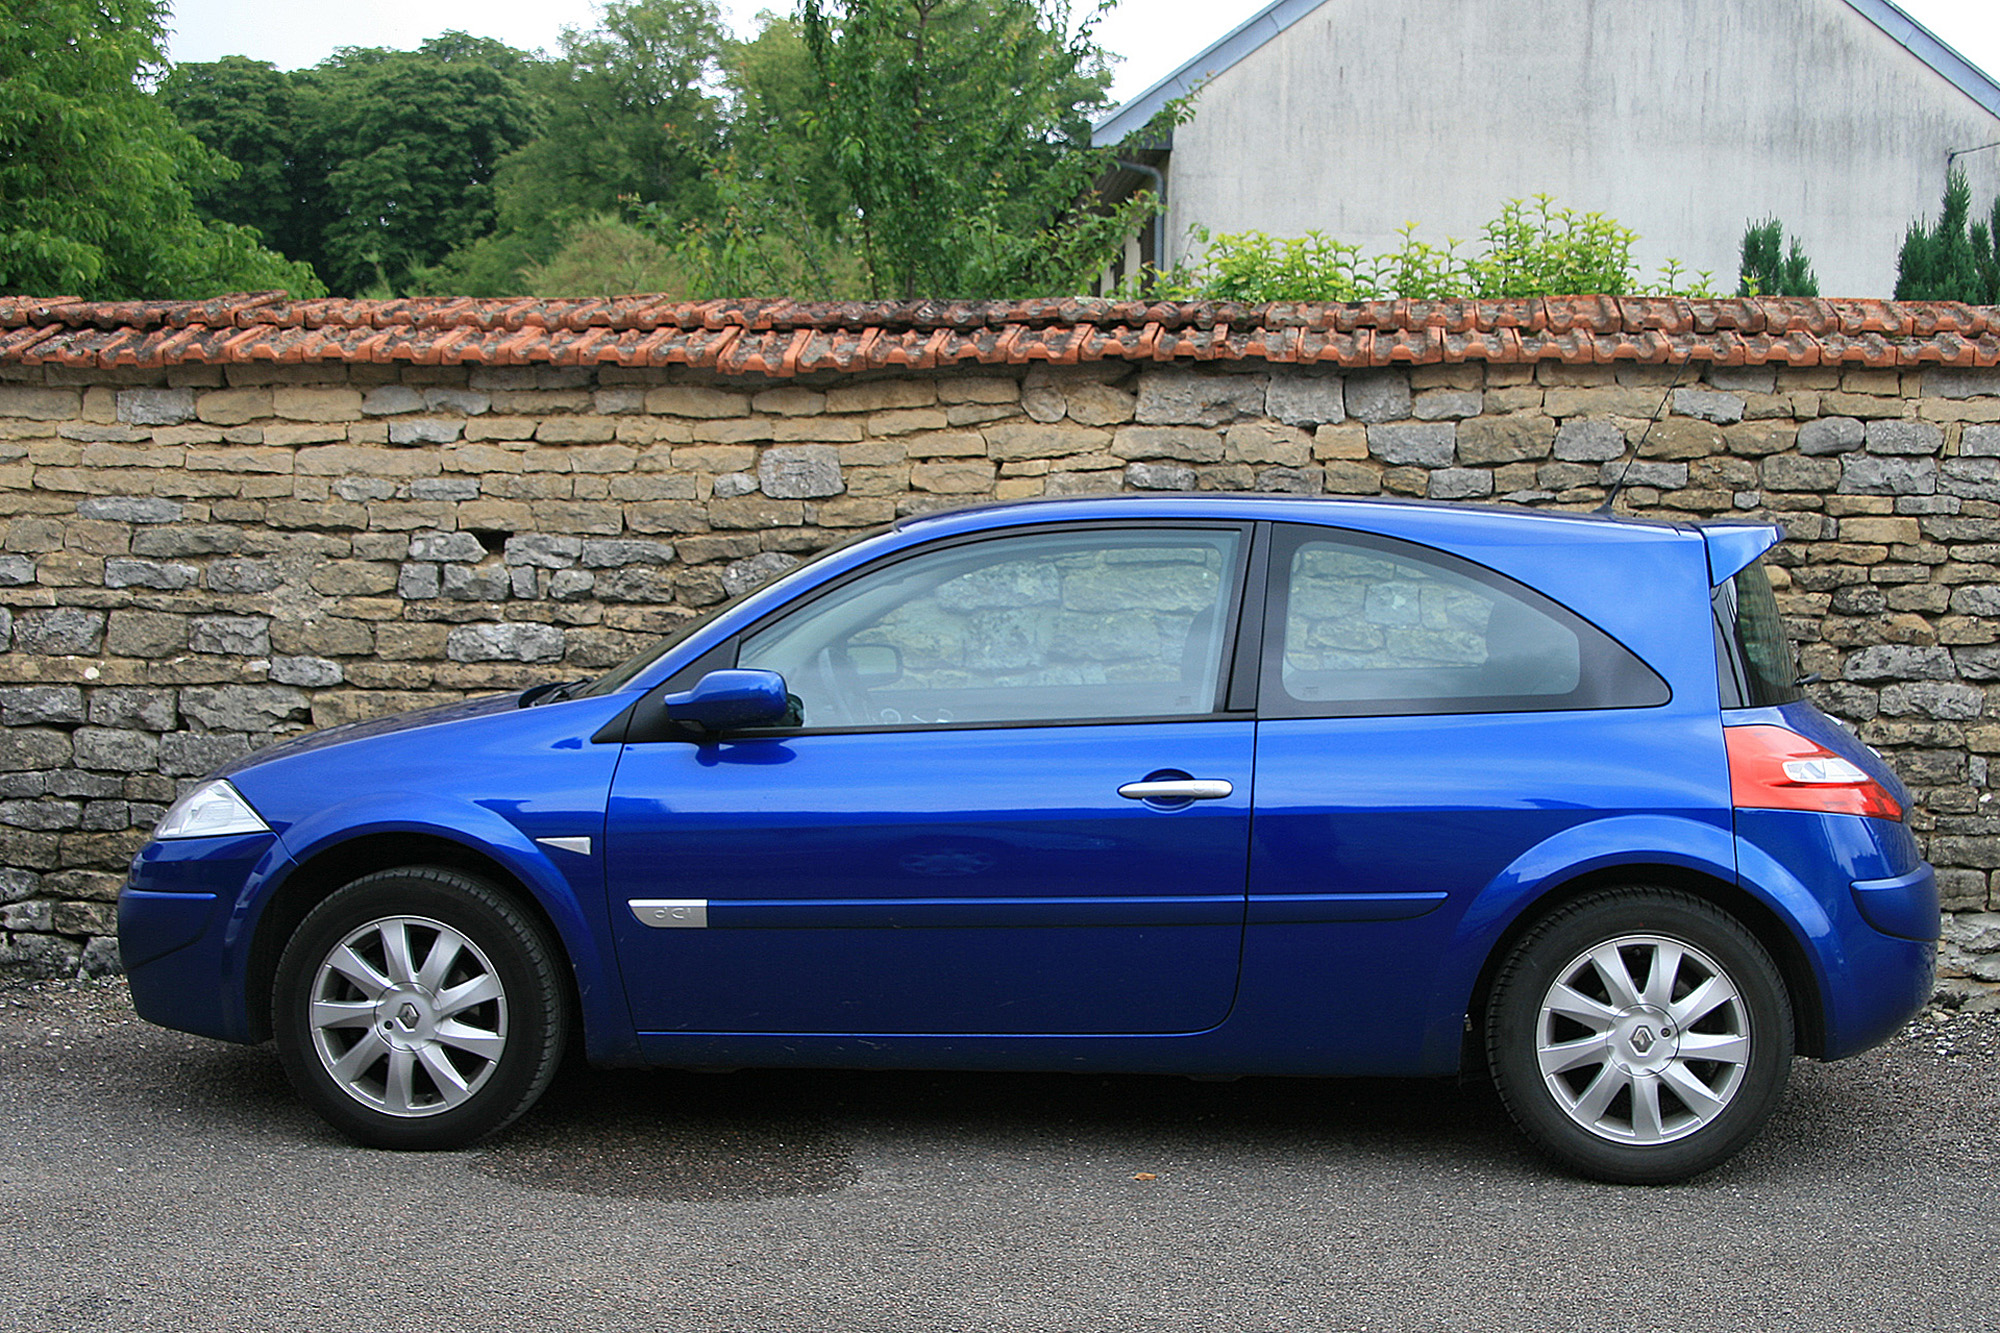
column 441, row 715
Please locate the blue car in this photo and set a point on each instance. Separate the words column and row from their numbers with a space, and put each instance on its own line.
column 1177, row 784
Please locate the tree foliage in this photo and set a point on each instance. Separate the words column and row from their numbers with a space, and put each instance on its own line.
column 1949, row 260
column 1768, row 268
column 1533, row 248
column 97, row 177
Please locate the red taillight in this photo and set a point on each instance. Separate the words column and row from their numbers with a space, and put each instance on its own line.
column 1772, row 768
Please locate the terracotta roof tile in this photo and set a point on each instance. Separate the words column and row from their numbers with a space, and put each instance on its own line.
column 782, row 338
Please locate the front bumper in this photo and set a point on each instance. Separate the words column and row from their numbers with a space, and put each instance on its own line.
column 180, row 930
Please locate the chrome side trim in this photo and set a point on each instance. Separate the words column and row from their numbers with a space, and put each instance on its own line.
column 671, row 913
column 581, row 846
column 1185, row 789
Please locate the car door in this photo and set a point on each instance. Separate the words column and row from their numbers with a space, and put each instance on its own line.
column 951, row 839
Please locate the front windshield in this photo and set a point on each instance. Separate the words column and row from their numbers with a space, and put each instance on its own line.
column 615, row 679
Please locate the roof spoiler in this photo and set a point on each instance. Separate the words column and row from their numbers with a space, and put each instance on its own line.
column 1732, row 546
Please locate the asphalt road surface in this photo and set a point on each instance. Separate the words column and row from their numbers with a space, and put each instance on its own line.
column 153, row 1180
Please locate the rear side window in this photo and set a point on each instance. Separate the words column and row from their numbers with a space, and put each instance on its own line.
column 1758, row 666
column 1362, row 626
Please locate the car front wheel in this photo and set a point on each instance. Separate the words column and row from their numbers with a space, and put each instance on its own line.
column 1639, row 1035
column 419, row 1008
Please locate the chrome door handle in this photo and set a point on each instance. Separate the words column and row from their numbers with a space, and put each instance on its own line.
column 1180, row 789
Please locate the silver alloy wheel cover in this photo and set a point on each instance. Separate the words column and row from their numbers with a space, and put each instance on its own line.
column 407, row 1037
column 1662, row 1053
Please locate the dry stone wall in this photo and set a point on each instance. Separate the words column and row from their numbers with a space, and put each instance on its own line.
column 197, row 560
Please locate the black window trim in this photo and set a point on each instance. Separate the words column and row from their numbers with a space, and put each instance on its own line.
column 1606, row 666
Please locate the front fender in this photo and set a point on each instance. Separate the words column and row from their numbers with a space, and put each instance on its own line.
column 571, row 897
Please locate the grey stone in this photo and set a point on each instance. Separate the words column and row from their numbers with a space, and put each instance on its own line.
column 1724, row 409
column 1789, row 472
column 1743, row 379
column 390, row 400
column 608, row 554
column 1291, row 480
column 1902, row 437
column 23, row 784
column 1189, row 398
column 155, row 407
column 27, row 749
column 445, row 488
column 635, row 583
column 16, row 885
column 1949, row 700
column 1866, row 474
column 1831, row 435
column 461, row 547
column 1302, row 398
column 186, row 539
column 258, row 708
column 238, row 636
column 1041, row 399
column 36, row 916
column 44, row 815
column 1159, row 477
column 1587, row 440
column 1666, row 476
column 512, row 378
column 122, row 572
column 543, row 551
column 1448, row 404
column 519, row 641
column 732, row 484
column 38, row 705
column 800, row 472
column 1977, row 599
column 116, row 751
column 63, row 631
column 416, row 583
column 521, row 580
column 131, row 706
column 130, row 509
column 742, row 576
column 39, row 957
column 16, row 571
column 571, row 585
column 1980, row 441
column 1978, row 663
column 306, row 672
column 461, row 402
column 362, row 490
column 425, row 430
column 76, row 782
column 1972, row 478
column 1460, row 483
column 100, row 957
column 6, row 629
column 1429, row 444
column 242, row 575
column 192, row 753
column 1377, row 396
column 1896, row 661
column 1949, row 382
column 477, row 583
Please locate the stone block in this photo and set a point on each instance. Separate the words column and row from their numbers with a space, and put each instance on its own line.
column 250, row 708
column 1944, row 382
column 426, row 430
column 800, row 472
column 601, row 553
column 306, row 672
column 1970, row 478
column 59, row 631
column 1448, row 404
column 31, row 749
column 145, row 634
column 881, row 395
column 115, row 750
column 1299, row 397
column 1264, row 442
column 1894, row 661
column 476, row 583
column 1429, row 444
column 1665, row 476
column 1094, row 404
column 1460, row 483
column 32, row 403
column 1290, row 481
column 1378, row 396
column 155, row 407
column 668, row 516
column 461, row 547
column 243, row 576
column 953, row 478
column 519, row 641
column 453, row 489
column 391, row 400
column 189, row 753
column 1724, row 409
column 732, row 484
column 406, row 642
column 16, row 571
column 1347, row 478
column 127, row 706
column 1903, row 437
column 1159, row 477
column 315, row 403
column 543, row 551
column 569, row 585
column 130, row 509
column 1943, row 699
column 1518, row 438
column 1191, row 398
column 126, row 573
column 1867, row 474
column 1179, row 444
column 1017, row 440
column 40, row 705
column 1786, row 472
column 755, row 571
column 233, row 636
column 353, row 578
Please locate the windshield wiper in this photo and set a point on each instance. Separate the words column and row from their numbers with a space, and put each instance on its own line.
column 551, row 693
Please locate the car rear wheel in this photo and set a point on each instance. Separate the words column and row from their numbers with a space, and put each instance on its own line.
column 1639, row 1035
column 419, row 1008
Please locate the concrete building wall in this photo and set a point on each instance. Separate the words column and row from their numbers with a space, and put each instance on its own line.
column 1682, row 119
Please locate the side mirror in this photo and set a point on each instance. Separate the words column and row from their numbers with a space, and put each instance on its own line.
column 730, row 700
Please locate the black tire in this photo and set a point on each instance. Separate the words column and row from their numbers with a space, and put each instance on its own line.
column 397, row 1056
column 1635, row 1091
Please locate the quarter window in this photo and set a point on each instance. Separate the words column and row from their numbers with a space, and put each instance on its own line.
column 1041, row 627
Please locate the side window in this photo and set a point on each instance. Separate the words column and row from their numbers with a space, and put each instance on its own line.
column 1037, row 627
column 1361, row 625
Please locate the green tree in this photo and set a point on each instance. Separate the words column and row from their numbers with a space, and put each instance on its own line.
column 961, row 129
column 97, row 177
column 1947, row 260
column 246, row 110
column 1768, row 269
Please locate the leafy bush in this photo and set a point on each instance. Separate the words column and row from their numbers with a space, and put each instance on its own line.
column 1949, row 261
column 1534, row 248
column 1768, row 269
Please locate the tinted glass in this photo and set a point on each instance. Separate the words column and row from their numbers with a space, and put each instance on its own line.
column 1749, row 612
column 1365, row 625
column 1021, row 629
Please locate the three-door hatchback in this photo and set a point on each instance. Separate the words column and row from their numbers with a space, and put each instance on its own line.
column 1198, row 785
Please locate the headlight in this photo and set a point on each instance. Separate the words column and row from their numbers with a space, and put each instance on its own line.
column 212, row 810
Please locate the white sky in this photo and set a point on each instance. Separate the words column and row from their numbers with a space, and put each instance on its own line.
column 1154, row 36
